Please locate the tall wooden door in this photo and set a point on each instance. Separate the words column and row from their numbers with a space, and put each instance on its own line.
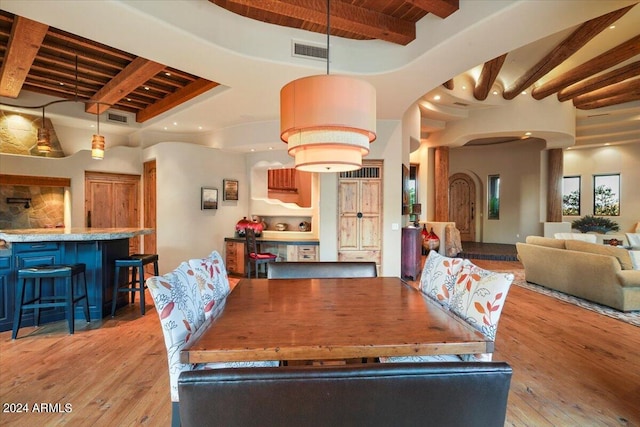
column 111, row 200
column 149, row 218
column 462, row 196
column 360, row 214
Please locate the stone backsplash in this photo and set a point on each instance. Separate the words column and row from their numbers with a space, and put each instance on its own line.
column 46, row 207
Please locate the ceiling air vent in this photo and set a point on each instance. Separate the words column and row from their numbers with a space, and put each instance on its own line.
column 117, row 118
column 309, row 50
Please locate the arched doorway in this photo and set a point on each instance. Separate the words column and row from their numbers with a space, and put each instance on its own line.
column 462, row 196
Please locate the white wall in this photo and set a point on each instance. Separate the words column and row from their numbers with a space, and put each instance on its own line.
column 521, row 191
column 116, row 160
column 622, row 159
column 184, row 230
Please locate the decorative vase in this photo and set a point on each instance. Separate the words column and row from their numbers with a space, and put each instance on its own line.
column 241, row 226
column 432, row 241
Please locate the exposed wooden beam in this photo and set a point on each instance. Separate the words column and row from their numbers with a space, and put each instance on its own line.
column 24, row 42
column 344, row 17
column 623, row 88
column 565, row 49
column 598, row 82
column 607, row 102
column 448, row 84
column 487, row 77
column 440, row 8
column 606, row 60
column 190, row 91
column 40, row 181
column 130, row 78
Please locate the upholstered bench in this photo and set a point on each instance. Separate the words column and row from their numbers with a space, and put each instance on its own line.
column 436, row 394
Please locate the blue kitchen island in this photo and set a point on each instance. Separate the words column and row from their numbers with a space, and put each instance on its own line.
column 95, row 247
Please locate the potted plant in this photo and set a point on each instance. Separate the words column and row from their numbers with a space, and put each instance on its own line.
column 594, row 223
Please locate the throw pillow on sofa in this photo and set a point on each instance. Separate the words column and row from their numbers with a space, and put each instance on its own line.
column 439, row 277
column 479, row 297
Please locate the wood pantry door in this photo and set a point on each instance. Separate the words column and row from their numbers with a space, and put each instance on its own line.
column 462, row 196
column 149, row 218
column 360, row 214
column 112, row 201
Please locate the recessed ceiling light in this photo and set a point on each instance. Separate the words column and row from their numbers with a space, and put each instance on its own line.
column 464, row 88
column 167, row 74
column 527, row 133
column 495, row 92
column 129, row 99
column 146, row 88
column 61, row 84
column 607, row 143
column 270, row 148
column 199, row 127
column 612, row 27
column 524, row 92
column 437, row 97
column 253, row 149
column 175, row 123
column 165, row 128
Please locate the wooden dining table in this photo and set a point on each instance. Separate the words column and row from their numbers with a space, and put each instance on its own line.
column 330, row 319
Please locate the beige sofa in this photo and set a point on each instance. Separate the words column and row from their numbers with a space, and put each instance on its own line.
column 598, row 273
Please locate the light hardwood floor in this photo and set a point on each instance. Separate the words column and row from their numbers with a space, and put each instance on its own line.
column 572, row 367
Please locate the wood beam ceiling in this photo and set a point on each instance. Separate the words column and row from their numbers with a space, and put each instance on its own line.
column 600, row 63
column 24, row 43
column 52, row 62
column 390, row 20
column 560, row 53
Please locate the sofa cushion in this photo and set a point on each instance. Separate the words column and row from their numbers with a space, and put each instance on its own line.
column 439, row 277
column 621, row 254
column 479, row 296
column 635, row 259
column 546, row 241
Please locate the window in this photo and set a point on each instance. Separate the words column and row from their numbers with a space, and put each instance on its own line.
column 494, row 196
column 571, row 196
column 606, row 195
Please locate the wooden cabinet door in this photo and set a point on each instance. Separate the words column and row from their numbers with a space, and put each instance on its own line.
column 360, row 214
column 112, row 201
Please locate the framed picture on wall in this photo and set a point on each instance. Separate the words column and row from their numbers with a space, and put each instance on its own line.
column 230, row 189
column 209, row 198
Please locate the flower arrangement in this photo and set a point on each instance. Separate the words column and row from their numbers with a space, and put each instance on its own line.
column 594, row 223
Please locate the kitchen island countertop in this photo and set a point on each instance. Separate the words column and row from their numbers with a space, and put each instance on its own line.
column 70, row 234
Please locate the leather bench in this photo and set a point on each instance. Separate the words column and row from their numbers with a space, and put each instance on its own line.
column 436, row 394
column 321, row 269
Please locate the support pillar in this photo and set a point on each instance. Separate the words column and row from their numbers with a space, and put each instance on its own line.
column 554, row 185
column 441, row 184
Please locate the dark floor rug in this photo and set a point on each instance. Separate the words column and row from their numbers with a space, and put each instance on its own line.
column 632, row 317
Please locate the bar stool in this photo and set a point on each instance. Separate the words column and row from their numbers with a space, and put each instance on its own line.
column 68, row 272
column 136, row 262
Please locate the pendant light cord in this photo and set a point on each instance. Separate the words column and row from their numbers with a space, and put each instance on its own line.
column 328, row 31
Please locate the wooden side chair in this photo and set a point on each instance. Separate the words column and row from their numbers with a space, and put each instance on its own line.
column 253, row 257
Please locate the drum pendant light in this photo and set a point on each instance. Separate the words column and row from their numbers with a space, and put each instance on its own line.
column 44, row 139
column 328, row 121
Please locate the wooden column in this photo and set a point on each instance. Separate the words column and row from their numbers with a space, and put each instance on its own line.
column 554, row 185
column 441, row 184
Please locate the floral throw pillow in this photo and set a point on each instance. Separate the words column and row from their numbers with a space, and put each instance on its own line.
column 213, row 282
column 479, row 297
column 439, row 277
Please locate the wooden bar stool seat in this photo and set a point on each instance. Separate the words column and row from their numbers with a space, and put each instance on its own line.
column 35, row 275
column 135, row 281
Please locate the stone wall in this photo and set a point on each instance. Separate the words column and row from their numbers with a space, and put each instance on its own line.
column 45, row 210
column 19, row 131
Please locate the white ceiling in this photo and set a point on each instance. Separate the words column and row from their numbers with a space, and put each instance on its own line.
column 252, row 60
